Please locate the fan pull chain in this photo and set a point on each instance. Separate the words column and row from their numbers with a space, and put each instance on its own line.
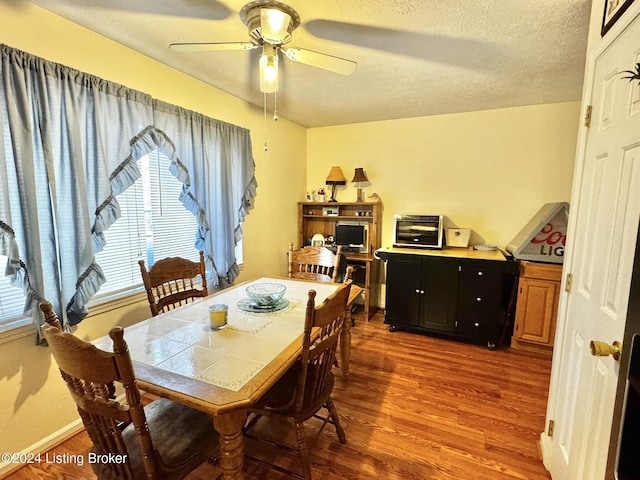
column 264, row 106
column 275, row 106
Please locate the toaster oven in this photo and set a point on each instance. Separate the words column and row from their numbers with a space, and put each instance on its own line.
column 419, row 231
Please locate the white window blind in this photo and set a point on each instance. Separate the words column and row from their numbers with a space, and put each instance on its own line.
column 11, row 298
column 126, row 243
column 154, row 225
column 174, row 227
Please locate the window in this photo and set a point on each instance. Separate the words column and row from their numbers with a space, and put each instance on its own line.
column 11, row 301
column 154, row 224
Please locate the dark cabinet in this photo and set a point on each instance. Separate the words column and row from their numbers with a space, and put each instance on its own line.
column 421, row 291
column 404, row 276
column 480, row 300
column 458, row 297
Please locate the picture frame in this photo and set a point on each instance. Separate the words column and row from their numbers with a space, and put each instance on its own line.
column 613, row 10
column 317, row 240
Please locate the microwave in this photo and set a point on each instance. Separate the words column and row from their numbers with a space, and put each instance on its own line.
column 419, row 231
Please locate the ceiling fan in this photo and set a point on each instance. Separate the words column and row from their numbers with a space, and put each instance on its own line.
column 271, row 24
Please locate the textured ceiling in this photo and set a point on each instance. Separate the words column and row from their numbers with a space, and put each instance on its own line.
column 415, row 57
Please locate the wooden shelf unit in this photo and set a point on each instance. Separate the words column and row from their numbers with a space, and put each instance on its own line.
column 311, row 220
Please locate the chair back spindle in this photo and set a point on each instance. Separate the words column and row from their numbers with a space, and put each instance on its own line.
column 171, row 282
column 314, row 263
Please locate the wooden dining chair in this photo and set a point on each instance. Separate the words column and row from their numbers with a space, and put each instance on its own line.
column 163, row 440
column 172, row 282
column 306, row 388
column 314, row 263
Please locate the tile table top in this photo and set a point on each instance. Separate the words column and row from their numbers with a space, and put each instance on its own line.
column 181, row 342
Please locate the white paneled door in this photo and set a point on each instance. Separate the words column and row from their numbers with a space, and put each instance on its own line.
column 605, row 211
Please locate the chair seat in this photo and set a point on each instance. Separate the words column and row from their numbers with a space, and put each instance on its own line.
column 178, row 434
column 280, row 398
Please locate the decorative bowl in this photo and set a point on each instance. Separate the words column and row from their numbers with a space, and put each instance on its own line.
column 265, row 294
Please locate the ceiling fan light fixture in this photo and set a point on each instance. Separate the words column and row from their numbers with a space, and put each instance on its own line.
column 274, row 25
column 268, row 67
column 269, row 21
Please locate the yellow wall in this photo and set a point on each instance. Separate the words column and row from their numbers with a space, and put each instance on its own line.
column 33, row 401
column 490, row 171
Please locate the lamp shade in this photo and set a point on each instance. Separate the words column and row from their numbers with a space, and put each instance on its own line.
column 359, row 176
column 274, row 25
column 268, row 68
column 336, row 176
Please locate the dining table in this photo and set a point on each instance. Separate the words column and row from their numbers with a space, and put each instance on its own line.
column 177, row 355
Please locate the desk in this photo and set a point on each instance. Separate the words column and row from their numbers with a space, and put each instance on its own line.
column 313, row 218
column 176, row 355
column 368, row 282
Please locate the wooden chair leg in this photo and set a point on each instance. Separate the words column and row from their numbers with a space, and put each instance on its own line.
column 336, row 421
column 304, row 451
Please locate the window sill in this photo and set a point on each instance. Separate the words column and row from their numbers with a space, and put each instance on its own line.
column 24, row 328
column 16, row 330
column 115, row 301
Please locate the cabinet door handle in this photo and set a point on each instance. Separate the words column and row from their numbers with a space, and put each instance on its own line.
column 422, row 291
column 478, row 299
column 480, row 274
column 476, row 324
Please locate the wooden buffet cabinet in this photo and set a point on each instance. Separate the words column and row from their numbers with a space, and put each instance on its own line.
column 313, row 219
column 457, row 293
column 537, row 306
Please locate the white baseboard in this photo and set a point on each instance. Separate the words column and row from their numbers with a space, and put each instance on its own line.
column 43, row 445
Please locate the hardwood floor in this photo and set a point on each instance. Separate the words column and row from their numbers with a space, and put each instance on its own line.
column 414, row 408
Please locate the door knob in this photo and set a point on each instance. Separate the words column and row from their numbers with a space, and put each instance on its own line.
column 601, row 349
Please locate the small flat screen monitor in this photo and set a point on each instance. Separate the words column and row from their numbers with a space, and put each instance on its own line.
column 351, row 237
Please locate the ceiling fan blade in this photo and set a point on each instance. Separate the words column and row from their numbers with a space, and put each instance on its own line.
column 468, row 53
column 212, row 47
column 321, row 60
column 200, row 9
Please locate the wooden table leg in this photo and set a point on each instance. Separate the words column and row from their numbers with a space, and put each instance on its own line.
column 229, row 426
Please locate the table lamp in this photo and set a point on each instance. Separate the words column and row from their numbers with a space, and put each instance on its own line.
column 335, row 177
column 360, row 179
